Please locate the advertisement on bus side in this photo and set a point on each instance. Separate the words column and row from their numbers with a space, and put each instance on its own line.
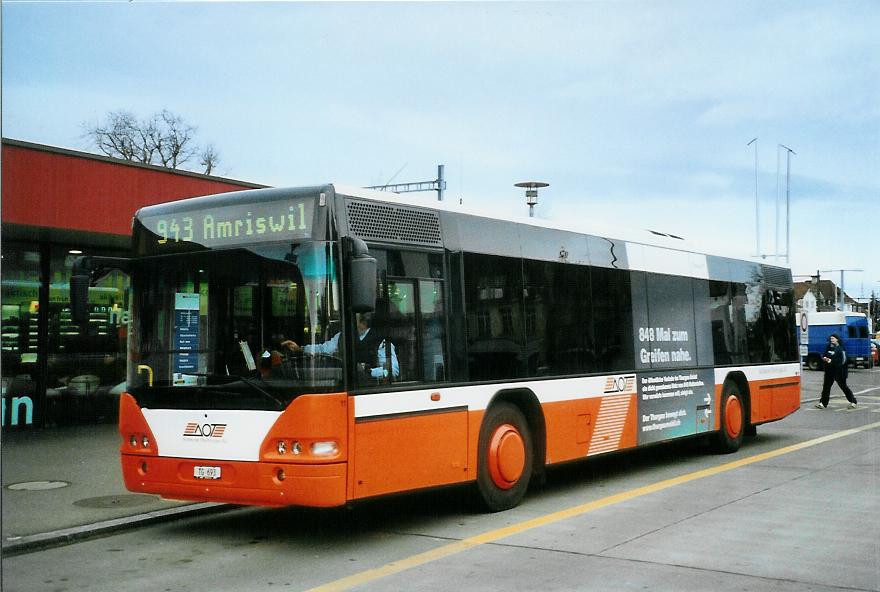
column 674, row 403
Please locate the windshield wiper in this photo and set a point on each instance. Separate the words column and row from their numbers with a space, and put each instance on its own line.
column 266, row 394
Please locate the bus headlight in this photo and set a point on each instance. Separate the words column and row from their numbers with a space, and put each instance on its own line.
column 282, row 447
column 296, row 447
column 133, row 441
column 324, row 448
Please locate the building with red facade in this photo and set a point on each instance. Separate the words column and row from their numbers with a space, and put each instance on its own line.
column 57, row 205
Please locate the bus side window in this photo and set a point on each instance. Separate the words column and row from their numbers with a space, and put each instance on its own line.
column 432, row 317
column 412, row 312
column 400, row 326
column 416, row 325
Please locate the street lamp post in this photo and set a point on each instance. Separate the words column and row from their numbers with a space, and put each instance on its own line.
column 787, row 201
column 776, row 234
column 757, row 208
column 531, row 188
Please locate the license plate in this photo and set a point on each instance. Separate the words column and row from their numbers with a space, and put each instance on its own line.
column 206, row 472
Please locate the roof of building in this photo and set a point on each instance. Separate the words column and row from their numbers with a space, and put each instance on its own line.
column 827, row 291
column 57, row 194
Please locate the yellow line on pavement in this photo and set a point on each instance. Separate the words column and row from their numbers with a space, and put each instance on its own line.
column 500, row 533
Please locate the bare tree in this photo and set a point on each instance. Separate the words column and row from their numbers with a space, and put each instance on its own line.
column 164, row 139
column 209, row 159
column 118, row 136
column 175, row 144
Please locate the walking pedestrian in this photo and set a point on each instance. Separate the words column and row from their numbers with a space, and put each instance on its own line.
column 835, row 371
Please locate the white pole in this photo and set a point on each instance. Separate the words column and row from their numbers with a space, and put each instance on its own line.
column 787, row 208
column 776, row 250
column 757, row 208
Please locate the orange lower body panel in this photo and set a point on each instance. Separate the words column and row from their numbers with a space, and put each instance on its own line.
column 251, row 483
column 786, row 400
column 402, row 454
column 770, row 400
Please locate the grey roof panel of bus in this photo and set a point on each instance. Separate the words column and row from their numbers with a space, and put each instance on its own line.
column 582, row 227
column 545, row 244
column 488, row 233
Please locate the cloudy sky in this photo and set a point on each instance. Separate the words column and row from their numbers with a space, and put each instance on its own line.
column 638, row 114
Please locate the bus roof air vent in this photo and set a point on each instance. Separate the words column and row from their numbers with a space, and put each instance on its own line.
column 776, row 277
column 389, row 222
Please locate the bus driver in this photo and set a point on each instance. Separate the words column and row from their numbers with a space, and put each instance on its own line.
column 369, row 350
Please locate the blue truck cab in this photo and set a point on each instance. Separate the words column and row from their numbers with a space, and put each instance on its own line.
column 851, row 327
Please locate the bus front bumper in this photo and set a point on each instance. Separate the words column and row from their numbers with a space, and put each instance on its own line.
column 249, row 483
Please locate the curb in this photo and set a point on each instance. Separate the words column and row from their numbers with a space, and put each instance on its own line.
column 67, row 536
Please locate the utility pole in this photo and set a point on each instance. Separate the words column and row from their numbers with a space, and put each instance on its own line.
column 842, row 302
column 438, row 185
column 757, row 208
column 776, row 235
column 787, row 202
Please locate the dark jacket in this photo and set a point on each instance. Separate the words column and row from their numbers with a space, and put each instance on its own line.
column 366, row 349
column 837, row 354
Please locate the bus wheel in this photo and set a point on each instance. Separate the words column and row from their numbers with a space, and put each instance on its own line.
column 506, row 453
column 733, row 420
column 813, row 362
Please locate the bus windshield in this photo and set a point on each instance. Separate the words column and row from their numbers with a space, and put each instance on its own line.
column 212, row 329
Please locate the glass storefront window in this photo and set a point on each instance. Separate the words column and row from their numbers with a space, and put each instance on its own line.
column 86, row 364
column 20, row 279
column 75, row 373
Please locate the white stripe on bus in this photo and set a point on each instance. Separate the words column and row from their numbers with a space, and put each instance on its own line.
column 478, row 397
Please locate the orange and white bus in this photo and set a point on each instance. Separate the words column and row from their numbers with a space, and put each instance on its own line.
column 501, row 347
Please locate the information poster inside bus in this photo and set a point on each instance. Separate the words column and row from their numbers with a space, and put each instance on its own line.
column 186, row 338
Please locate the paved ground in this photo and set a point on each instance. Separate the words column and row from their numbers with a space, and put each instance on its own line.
column 65, row 482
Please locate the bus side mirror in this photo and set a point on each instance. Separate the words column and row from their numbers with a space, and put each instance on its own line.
column 79, row 298
column 85, row 270
column 362, row 277
column 362, row 272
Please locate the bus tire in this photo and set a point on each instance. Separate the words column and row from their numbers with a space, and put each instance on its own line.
column 505, row 457
column 734, row 421
column 813, row 362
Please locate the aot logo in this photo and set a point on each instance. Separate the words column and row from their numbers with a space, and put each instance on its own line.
column 625, row 385
column 205, row 430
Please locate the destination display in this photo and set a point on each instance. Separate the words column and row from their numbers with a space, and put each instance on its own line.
column 289, row 219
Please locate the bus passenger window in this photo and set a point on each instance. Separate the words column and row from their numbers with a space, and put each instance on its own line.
column 401, row 326
column 432, row 318
column 411, row 313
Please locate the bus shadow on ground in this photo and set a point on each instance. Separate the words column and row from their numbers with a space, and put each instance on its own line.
column 663, row 457
column 311, row 529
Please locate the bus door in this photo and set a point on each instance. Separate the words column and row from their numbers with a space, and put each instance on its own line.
column 408, row 433
column 416, row 327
